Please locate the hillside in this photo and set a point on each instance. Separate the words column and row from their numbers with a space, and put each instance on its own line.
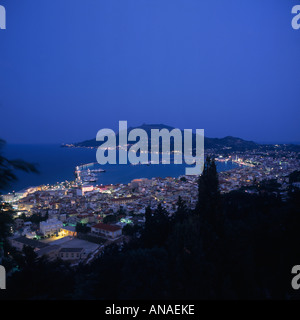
column 230, row 143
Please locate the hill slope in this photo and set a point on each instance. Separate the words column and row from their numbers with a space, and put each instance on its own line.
column 231, row 143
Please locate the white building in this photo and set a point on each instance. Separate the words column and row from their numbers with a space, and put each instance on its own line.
column 51, row 226
column 72, row 254
column 106, row 230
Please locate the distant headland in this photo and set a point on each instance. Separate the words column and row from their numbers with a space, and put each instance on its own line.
column 226, row 144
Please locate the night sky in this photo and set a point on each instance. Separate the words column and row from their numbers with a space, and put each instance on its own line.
column 69, row 68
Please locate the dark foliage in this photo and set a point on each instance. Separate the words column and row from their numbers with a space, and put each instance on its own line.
column 8, row 167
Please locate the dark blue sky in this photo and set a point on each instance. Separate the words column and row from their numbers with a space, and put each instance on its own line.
column 69, row 68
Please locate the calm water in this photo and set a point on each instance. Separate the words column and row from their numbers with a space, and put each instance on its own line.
column 57, row 164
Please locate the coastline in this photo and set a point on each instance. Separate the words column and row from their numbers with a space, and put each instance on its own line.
column 58, row 165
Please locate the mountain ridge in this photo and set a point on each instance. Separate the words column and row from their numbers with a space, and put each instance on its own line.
column 228, row 142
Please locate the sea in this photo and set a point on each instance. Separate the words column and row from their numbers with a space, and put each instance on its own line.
column 57, row 164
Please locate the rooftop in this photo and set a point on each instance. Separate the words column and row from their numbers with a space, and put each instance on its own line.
column 71, row 249
column 30, row 242
column 107, row 227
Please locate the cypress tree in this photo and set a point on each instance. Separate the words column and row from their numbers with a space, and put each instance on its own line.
column 208, row 191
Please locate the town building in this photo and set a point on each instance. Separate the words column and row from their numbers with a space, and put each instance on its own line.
column 107, row 230
column 50, row 227
column 72, row 254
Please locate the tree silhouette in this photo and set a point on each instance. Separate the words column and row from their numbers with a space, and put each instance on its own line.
column 7, row 175
column 208, row 204
column 7, row 168
column 182, row 210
